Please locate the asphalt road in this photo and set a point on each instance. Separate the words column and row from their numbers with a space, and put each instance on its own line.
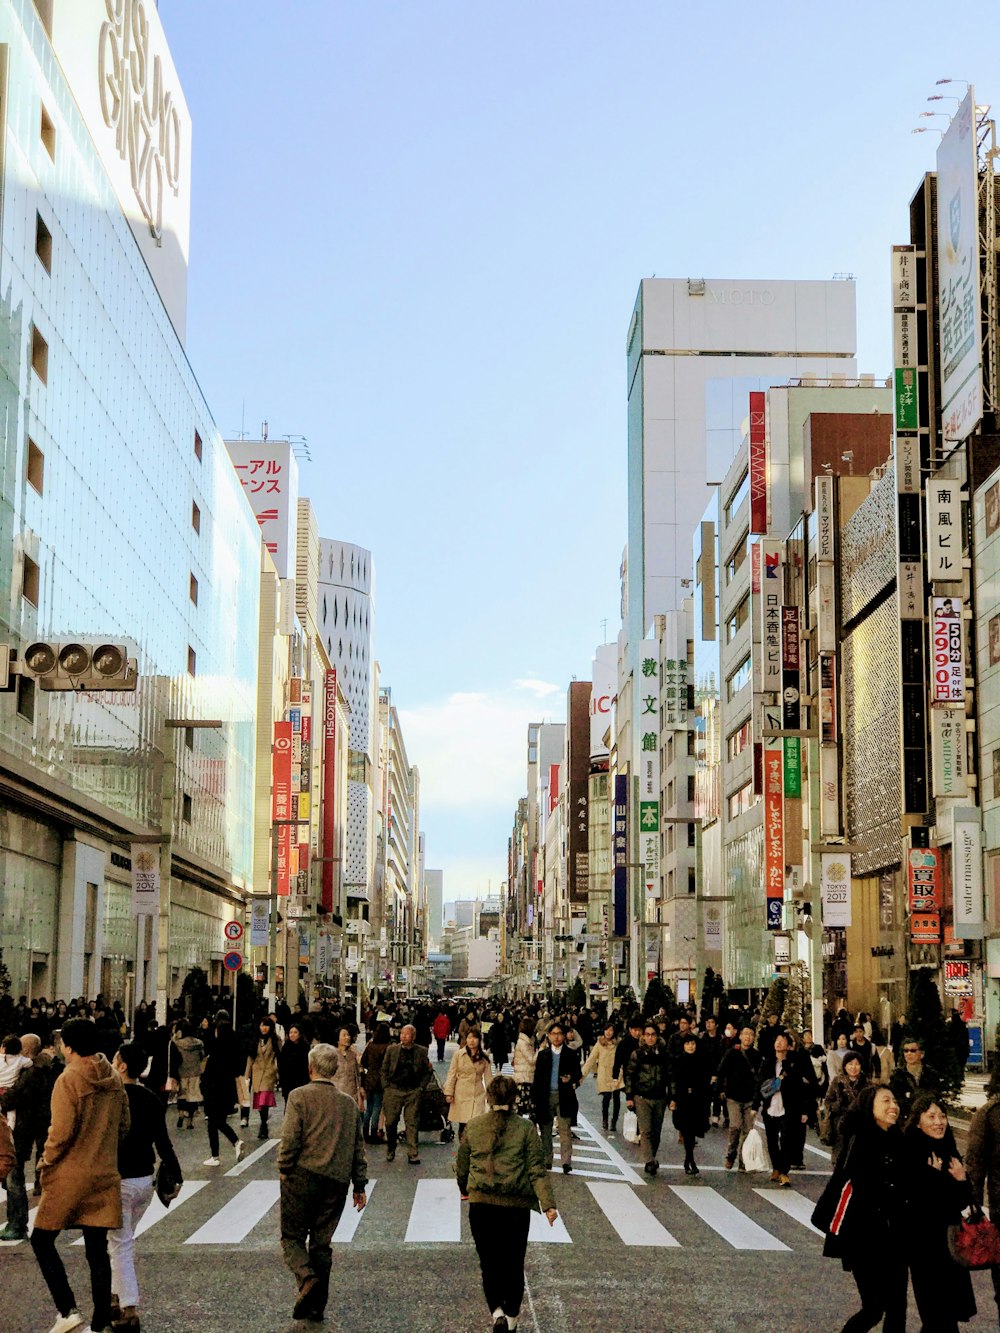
column 629, row 1255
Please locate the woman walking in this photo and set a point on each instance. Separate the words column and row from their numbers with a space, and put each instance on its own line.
column 501, row 1171
column 689, row 1097
column 936, row 1193
column 348, row 1076
column 499, row 1043
column 262, row 1072
column 841, row 1098
column 865, row 1225
column 601, row 1061
column 465, row 1086
column 525, row 1056
column 371, row 1070
column 186, row 1054
column 218, row 1085
column 293, row 1059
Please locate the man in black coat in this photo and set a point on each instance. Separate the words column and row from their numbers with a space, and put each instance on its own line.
column 785, row 1093
column 553, row 1094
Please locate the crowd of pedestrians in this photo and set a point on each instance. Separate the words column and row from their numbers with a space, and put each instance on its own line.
column 88, row 1097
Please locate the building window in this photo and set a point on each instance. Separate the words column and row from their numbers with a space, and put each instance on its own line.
column 197, row 446
column 670, row 795
column 691, row 835
column 692, row 880
column 35, row 467
column 670, row 838
column 737, row 497
column 186, row 806
column 738, row 619
column 47, row 130
column 29, row 581
column 189, row 738
column 43, row 8
column 738, row 741
column 195, row 516
column 735, row 562
column 193, row 590
column 691, row 740
column 43, row 243
column 192, row 660
column 739, row 678
column 741, row 801
column 26, row 698
column 690, row 786
column 39, row 355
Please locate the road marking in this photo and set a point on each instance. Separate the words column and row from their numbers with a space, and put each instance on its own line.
column 540, row 1232
column 732, row 1225
column 350, row 1217
column 794, row 1204
column 436, row 1213
column 255, row 1156
column 613, row 1156
column 156, row 1211
column 630, row 1217
column 236, row 1219
column 820, row 1152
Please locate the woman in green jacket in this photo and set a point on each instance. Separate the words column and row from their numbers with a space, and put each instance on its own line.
column 501, row 1171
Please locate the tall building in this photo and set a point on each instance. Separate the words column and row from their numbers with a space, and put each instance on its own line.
column 122, row 522
column 434, row 883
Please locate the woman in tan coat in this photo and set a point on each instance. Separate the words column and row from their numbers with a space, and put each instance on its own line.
column 348, row 1077
column 262, row 1072
column 81, row 1186
column 602, row 1062
column 465, row 1086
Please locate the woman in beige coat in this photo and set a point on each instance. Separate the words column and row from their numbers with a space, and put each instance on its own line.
column 262, row 1072
column 81, row 1186
column 465, row 1086
column 523, row 1061
column 348, row 1077
column 602, row 1061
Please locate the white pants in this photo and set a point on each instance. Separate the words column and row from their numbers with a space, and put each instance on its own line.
column 137, row 1192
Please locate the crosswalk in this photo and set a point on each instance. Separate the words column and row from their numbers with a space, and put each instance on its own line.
column 210, row 1213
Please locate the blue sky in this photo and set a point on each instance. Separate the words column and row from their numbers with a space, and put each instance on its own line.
column 417, row 235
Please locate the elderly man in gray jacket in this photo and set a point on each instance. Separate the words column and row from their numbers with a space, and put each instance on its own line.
column 321, row 1156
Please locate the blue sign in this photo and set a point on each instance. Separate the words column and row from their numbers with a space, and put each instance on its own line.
column 976, row 1045
column 233, row 961
column 774, row 906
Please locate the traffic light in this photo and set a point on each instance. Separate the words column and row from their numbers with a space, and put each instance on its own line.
column 80, row 666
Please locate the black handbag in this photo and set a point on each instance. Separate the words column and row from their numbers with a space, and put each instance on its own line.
column 167, row 1184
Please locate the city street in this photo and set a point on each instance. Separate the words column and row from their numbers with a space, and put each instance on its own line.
column 627, row 1255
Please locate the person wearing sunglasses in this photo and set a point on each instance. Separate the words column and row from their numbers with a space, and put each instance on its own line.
column 914, row 1075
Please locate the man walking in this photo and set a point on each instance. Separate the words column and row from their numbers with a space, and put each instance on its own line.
column 647, row 1085
column 739, row 1076
column 406, row 1070
column 321, row 1154
column 784, row 1094
column 81, row 1186
column 29, row 1099
column 553, row 1093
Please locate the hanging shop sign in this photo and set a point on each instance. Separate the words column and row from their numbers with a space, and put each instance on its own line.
column 947, row 651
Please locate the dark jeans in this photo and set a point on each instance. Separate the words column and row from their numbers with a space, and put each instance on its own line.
column 615, row 1098
column 501, row 1236
column 216, row 1126
column 311, row 1207
column 95, row 1240
column 17, row 1200
column 372, row 1111
column 781, row 1134
column 440, row 1041
column 881, row 1281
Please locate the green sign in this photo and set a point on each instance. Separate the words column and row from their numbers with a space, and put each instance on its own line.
column 906, row 399
column 649, row 816
column 793, row 766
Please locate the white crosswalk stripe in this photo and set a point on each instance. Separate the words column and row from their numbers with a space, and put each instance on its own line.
column 649, row 1216
column 595, row 1158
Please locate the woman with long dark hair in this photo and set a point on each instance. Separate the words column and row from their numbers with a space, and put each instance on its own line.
column 501, row 1171
column 465, row 1086
column 936, row 1193
column 262, row 1071
column 371, row 1070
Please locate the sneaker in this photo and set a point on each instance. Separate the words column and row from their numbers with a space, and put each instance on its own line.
column 500, row 1324
column 775, row 1176
column 784, row 1182
column 566, row 1168
column 210, row 1161
column 391, row 1155
column 306, row 1297
column 67, row 1322
column 240, row 1148
column 10, row 1233
column 413, row 1161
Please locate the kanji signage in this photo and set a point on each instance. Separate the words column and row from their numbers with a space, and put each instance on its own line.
column 923, row 878
column 649, row 759
column 791, row 680
column 944, row 531
column 620, row 852
column 774, row 833
column 947, row 651
column 281, row 797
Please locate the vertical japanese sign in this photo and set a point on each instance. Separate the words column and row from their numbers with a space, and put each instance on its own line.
column 904, row 339
column 620, row 850
column 269, row 474
column 944, row 531
column 758, row 464
column 772, row 585
column 835, row 887
column 675, row 681
column 774, row 833
column 649, row 764
column 791, row 682
column 823, row 488
column 329, row 787
column 960, row 309
column 967, row 874
column 281, row 799
column 947, row 651
column 553, row 787
column 923, row 877
column 949, row 752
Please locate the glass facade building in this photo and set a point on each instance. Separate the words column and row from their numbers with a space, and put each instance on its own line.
column 121, row 520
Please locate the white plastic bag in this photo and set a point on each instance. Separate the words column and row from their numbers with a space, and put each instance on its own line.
column 630, row 1127
column 754, row 1152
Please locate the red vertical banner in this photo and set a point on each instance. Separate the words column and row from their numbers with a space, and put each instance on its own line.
column 774, row 833
column 281, row 798
column 758, row 465
column 553, row 786
column 329, row 786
